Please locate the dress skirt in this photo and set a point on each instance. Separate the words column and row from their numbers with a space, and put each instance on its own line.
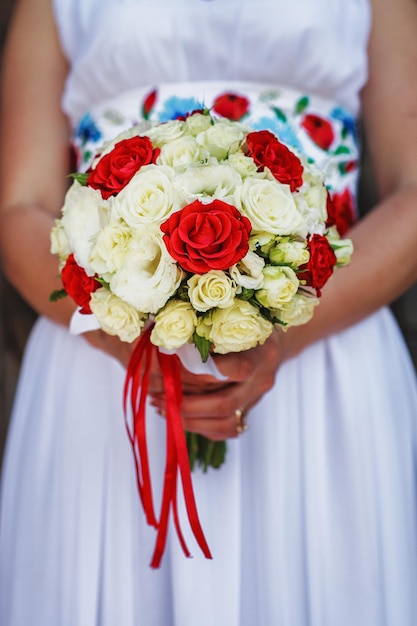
column 312, row 521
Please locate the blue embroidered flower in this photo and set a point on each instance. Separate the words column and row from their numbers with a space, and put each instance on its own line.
column 175, row 108
column 87, row 130
column 348, row 122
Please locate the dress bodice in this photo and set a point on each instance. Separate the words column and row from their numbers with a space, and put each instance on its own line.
column 117, row 45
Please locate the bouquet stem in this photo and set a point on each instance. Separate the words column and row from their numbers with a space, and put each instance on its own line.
column 204, row 452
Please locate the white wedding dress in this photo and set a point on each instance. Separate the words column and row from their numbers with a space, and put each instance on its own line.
column 313, row 519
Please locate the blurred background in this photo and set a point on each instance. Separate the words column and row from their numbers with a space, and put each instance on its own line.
column 16, row 318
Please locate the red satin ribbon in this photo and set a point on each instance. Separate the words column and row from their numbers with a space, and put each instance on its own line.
column 177, row 461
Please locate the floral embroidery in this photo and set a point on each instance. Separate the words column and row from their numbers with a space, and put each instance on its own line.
column 323, row 133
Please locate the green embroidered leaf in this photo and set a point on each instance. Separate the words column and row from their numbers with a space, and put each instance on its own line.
column 203, row 345
column 56, row 295
column 342, row 150
column 280, row 114
column 81, row 177
column 302, row 104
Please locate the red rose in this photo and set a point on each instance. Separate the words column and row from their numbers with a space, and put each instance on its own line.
column 203, row 237
column 231, row 105
column 340, row 211
column 319, row 130
column 115, row 169
column 267, row 151
column 321, row 264
column 77, row 284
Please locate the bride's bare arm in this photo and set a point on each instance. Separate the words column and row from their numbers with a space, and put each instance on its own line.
column 34, row 155
column 34, row 162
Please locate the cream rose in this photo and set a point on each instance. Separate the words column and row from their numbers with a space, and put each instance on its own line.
column 222, row 138
column 212, row 290
column 269, row 205
column 311, row 200
column 215, row 181
column 197, row 123
column 298, row 311
column 174, row 325
column 237, row 328
column 149, row 197
column 287, row 251
column 84, row 214
column 115, row 316
column 149, row 276
column 110, row 249
column 248, row 272
column 279, row 286
column 182, row 152
column 59, row 241
column 161, row 134
column 245, row 166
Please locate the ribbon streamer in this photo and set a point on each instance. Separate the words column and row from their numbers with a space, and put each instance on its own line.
column 177, row 461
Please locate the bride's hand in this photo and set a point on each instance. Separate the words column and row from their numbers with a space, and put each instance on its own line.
column 209, row 406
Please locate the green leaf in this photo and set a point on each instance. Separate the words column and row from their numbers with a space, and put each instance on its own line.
column 302, row 104
column 58, row 294
column 342, row 150
column 102, row 282
column 280, row 114
column 80, row 177
column 246, row 294
column 203, row 345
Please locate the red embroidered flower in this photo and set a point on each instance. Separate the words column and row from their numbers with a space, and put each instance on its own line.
column 203, row 237
column 319, row 130
column 267, row 151
column 115, row 169
column 321, row 264
column 77, row 284
column 149, row 103
column 340, row 211
column 231, row 105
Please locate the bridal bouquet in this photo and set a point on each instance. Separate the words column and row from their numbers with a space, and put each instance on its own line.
column 200, row 233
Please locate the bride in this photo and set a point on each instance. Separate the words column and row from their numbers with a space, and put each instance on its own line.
column 312, row 520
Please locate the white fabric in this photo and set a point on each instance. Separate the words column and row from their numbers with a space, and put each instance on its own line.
column 312, row 521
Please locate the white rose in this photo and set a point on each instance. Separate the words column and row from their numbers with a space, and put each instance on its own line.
column 84, row 214
column 237, row 328
column 182, row 153
column 149, row 276
column 110, row 249
column 298, row 311
column 248, row 272
column 216, row 181
column 269, row 205
column 211, row 290
column 174, row 325
column 59, row 241
column 222, row 138
column 279, row 286
column 244, row 165
column 197, row 123
column 311, row 200
column 290, row 252
column 164, row 133
column 149, row 197
column 115, row 316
